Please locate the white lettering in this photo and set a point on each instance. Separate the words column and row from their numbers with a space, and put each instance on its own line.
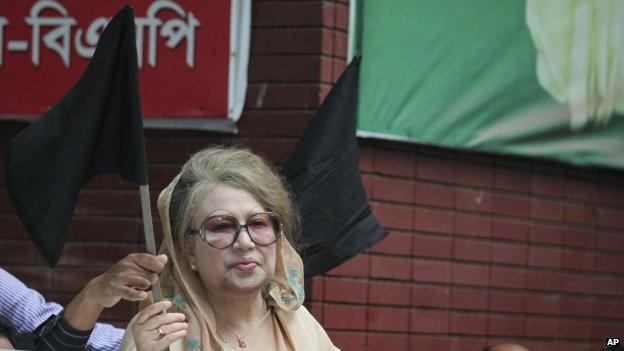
column 52, row 38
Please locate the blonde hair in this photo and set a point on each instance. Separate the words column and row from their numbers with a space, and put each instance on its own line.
column 237, row 167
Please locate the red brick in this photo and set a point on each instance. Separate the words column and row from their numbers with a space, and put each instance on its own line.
column 342, row 17
column 610, row 218
column 505, row 326
column 395, row 243
column 544, row 257
column 433, row 195
column 545, row 234
column 543, row 281
column 263, row 123
column 577, row 260
column 284, row 13
column 541, row 345
column 548, row 185
column 344, row 317
column 501, row 301
column 475, row 175
column 581, row 190
column 580, row 214
column 345, row 290
column 467, row 343
column 512, row 180
column 394, row 163
column 396, row 190
column 472, row 225
column 469, row 299
column 577, row 283
column 73, row 279
column 277, row 95
column 316, row 287
column 605, row 330
column 358, row 266
column 380, row 342
column 575, row 329
column 12, row 228
column 546, row 210
column 579, row 238
column 329, row 14
column 388, row 319
column 316, row 309
column 430, row 271
column 429, row 321
column 383, row 293
column 464, row 323
column 430, row 296
column 393, row 216
column 432, row 220
column 424, row 342
column 288, row 41
column 437, row 169
column 538, row 327
column 471, row 250
column 608, row 308
column 542, row 304
column 470, row 274
column 509, row 229
column 508, row 277
column 390, row 267
column 612, row 194
column 367, row 183
column 511, row 205
column 612, row 242
column 366, row 157
column 20, row 252
column 286, row 68
column 105, row 229
column 339, row 65
column 108, row 203
column 348, row 341
column 431, row 246
column 509, row 253
column 609, row 263
column 608, row 286
column 473, row 200
column 98, row 254
column 340, row 44
column 576, row 306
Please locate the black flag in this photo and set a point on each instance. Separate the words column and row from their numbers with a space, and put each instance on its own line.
column 323, row 171
column 95, row 128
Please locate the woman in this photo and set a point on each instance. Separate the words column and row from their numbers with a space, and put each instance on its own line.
column 234, row 280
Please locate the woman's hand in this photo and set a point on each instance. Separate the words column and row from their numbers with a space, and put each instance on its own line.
column 155, row 331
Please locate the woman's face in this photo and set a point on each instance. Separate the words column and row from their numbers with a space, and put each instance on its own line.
column 241, row 268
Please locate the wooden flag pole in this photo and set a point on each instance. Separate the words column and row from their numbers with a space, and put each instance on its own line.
column 148, row 229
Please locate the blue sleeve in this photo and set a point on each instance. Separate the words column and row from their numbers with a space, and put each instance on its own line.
column 27, row 309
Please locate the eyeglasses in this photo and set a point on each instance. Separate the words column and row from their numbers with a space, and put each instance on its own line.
column 222, row 231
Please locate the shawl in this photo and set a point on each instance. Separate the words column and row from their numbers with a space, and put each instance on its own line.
column 284, row 293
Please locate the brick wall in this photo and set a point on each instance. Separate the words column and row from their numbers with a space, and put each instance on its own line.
column 481, row 248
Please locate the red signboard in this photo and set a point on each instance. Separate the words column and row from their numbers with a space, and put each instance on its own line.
column 183, row 50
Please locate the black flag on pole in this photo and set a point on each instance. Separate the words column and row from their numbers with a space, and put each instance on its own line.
column 323, row 171
column 95, row 128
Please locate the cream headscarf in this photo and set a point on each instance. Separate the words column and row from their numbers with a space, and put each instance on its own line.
column 284, row 292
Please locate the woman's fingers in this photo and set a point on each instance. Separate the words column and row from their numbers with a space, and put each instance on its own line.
column 152, row 310
column 163, row 319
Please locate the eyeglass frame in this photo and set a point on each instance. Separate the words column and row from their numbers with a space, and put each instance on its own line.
column 239, row 227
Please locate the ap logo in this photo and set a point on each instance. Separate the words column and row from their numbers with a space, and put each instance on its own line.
column 613, row 344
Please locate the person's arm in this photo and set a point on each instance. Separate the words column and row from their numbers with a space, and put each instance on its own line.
column 127, row 279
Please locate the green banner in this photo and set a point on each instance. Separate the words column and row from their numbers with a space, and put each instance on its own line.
column 537, row 78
